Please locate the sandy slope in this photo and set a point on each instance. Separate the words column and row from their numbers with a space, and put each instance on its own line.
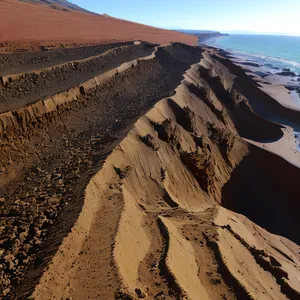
column 68, row 137
column 238, row 233
column 150, row 188
column 172, row 240
column 23, row 23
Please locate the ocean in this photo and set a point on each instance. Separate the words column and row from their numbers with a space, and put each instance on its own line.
column 266, row 50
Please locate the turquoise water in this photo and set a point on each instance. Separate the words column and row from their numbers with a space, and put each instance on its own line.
column 280, row 51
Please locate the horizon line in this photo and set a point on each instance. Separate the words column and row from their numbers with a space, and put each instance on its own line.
column 241, row 32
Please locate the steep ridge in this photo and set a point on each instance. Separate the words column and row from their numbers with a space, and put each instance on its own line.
column 225, row 85
column 172, row 241
column 268, row 196
column 145, row 159
column 72, row 122
column 133, row 165
column 267, row 108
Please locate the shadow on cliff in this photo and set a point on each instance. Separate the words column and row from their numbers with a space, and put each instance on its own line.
column 265, row 188
column 249, row 124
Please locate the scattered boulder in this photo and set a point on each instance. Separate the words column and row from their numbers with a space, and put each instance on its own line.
column 149, row 141
column 122, row 172
column 139, row 293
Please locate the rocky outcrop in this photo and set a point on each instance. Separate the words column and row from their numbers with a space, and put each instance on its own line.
column 287, row 73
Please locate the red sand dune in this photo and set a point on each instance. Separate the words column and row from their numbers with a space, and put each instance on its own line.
column 32, row 23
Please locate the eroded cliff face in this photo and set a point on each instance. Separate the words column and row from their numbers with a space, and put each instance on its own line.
column 116, row 184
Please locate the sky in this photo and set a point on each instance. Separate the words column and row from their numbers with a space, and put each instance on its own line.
column 268, row 16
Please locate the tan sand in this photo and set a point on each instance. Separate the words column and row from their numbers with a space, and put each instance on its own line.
column 236, row 254
column 164, row 223
column 182, row 262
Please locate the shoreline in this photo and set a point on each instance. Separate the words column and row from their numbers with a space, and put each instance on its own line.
column 285, row 90
column 284, row 79
column 263, row 59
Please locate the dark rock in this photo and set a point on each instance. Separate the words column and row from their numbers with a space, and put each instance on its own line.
column 250, row 64
column 286, row 73
column 149, row 141
column 122, row 173
column 261, row 74
column 139, row 293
